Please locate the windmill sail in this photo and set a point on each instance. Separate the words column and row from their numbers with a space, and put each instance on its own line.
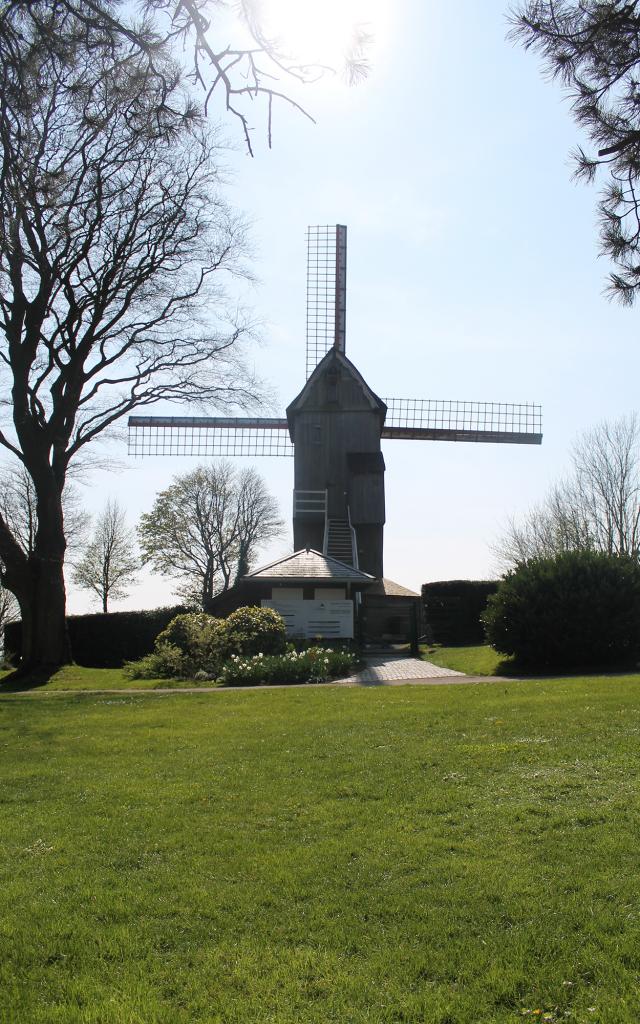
column 407, row 419
column 209, row 435
column 431, row 419
column 326, row 291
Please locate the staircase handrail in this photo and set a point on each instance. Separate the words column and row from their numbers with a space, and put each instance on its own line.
column 325, row 539
column 354, row 543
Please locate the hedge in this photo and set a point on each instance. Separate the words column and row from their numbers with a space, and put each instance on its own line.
column 577, row 610
column 453, row 610
column 105, row 641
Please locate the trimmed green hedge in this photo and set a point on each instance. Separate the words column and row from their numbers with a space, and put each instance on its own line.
column 453, row 610
column 578, row 610
column 105, row 641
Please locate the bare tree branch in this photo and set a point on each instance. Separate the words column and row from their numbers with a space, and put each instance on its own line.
column 114, row 243
column 108, row 564
column 596, row 508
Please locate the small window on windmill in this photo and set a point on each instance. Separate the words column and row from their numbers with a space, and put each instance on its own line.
column 332, row 384
column 316, row 433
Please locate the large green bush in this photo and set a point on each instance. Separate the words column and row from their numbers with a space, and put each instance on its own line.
column 253, row 630
column 575, row 610
column 199, row 644
column 190, row 643
column 190, row 632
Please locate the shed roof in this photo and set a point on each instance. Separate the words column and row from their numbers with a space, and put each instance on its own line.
column 309, row 565
column 387, row 588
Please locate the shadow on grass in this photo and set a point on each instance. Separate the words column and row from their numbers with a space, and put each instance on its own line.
column 20, row 681
column 510, row 668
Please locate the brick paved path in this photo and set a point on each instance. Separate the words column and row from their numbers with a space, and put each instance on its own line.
column 390, row 669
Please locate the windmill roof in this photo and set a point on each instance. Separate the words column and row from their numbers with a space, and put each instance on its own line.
column 309, row 565
column 334, row 356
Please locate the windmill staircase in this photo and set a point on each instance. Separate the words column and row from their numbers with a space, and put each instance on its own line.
column 337, row 541
column 340, row 541
column 339, row 536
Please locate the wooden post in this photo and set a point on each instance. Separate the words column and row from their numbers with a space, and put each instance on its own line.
column 415, row 650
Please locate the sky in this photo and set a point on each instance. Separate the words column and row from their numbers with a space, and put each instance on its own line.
column 473, row 274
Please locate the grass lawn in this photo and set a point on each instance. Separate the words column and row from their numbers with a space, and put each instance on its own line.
column 474, row 661
column 478, row 661
column 76, row 677
column 436, row 855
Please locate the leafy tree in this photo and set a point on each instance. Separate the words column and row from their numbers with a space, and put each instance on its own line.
column 595, row 508
column 577, row 609
column 205, row 528
column 109, row 564
column 592, row 48
column 113, row 239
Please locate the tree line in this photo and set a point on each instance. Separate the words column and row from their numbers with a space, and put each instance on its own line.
column 203, row 532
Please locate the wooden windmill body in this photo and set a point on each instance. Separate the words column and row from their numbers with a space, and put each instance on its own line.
column 335, row 426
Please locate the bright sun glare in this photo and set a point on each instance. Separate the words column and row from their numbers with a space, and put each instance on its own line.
column 320, row 32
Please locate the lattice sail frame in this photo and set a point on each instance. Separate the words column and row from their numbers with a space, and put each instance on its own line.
column 206, row 436
column 448, row 420
column 326, row 291
column 407, row 419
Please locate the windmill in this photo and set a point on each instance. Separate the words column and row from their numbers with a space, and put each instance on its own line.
column 334, row 427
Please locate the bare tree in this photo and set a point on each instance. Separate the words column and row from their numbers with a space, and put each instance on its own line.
column 591, row 48
column 113, row 239
column 18, row 507
column 597, row 507
column 241, row 72
column 205, row 528
column 109, row 564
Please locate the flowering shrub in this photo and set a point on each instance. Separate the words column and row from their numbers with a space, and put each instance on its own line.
column 197, row 645
column 247, row 649
column 314, row 665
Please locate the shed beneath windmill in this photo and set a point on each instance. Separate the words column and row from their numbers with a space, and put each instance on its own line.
column 321, row 597
column 390, row 615
column 318, row 596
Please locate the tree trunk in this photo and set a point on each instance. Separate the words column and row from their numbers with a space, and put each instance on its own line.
column 45, row 642
column 41, row 590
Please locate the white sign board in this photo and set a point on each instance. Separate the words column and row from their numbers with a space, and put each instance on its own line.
column 309, row 619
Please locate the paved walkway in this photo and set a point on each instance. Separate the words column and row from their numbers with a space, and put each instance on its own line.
column 386, row 670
